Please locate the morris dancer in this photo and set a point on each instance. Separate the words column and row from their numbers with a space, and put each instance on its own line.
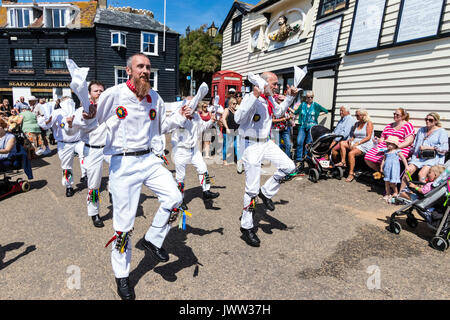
column 255, row 119
column 136, row 120
column 185, row 151
column 68, row 140
column 94, row 140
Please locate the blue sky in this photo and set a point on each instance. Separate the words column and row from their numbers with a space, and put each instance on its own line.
column 180, row 13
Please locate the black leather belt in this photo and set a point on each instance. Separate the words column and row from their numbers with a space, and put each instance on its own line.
column 94, row 147
column 256, row 139
column 134, row 153
column 69, row 142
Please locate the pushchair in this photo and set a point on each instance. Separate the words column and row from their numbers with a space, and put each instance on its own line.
column 318, row 154
column 436, row 199
column 19, row 161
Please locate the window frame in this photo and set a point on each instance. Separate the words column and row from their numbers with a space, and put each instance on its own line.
column 120, row 34
column 49, row 60
column 320, row 15
column 116, row 75
column 13, row 18
column 155, row 53
column 14, row 62
column 233, row 31
column 50, row 11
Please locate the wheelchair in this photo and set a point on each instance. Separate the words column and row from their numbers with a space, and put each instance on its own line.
column 17, row 163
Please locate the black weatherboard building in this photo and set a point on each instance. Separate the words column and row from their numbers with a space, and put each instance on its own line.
column 37, row 37
column 120, row 34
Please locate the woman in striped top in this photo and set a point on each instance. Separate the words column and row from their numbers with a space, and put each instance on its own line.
column 401, row 128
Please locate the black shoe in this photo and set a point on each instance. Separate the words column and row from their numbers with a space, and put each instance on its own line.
column 110, row 198
column 69, row 192
column 267, row 202
column 249, row 236
column 210, row 195
column 84, row 179
column 97, row 221
column 184, row 206
column 123, row 289
column 159, row 253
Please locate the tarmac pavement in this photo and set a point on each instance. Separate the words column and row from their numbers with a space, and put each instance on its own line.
column 325, row 240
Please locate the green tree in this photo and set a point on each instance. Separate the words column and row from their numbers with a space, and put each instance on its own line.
column 202, row 54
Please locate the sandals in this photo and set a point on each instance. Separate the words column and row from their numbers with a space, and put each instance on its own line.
column 350, row 177
column 340, row 164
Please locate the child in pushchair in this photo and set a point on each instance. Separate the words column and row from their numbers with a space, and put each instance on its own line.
column 432, row 206
column 318, row 154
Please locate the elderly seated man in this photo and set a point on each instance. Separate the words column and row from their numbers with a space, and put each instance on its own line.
column 343, row 128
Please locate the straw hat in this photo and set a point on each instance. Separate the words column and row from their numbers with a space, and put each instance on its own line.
column 393, row 140
column 32, row 98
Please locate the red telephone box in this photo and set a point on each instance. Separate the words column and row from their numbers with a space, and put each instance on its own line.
column 224, row 80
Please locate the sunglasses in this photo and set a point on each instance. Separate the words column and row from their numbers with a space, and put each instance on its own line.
column 309, row 97
column 429, row 120
column 397, row 114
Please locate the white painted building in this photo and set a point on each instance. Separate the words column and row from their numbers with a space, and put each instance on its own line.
column 388, row 53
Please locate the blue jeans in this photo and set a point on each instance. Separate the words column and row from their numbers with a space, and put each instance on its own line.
column 226, row 142
column 285, row 135
column 302, row 138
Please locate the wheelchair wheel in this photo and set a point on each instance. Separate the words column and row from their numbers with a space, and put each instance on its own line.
column 339, row 173
column 313, row 175
column 395, row 227
column 25, row 186
column 439, row 243
column 412, row 222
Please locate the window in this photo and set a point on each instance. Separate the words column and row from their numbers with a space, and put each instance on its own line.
column 57, row 58
column 118, row 39
column 149, row 43
column 331, row 6
column 154, row 80
column 55, row 18
column 120, row 74
column 236, row 30
column 19, row 18
column 22, row 58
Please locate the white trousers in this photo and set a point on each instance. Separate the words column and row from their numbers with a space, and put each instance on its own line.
column 66, row 152
column 126, row 176
column 182, row 157
column 79, row 148
column 254, row 153
column 93, row 162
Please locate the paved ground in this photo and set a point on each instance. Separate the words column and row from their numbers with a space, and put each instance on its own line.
column 324, row 241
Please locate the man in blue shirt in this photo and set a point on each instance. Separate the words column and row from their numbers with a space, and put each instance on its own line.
column 343, row 128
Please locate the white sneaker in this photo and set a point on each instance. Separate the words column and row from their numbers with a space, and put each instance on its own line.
column 46, row 152
column 39, row 152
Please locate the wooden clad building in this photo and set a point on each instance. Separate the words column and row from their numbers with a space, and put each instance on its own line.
column 37, row 37
column 372, row 54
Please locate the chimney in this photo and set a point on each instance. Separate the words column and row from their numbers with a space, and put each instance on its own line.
column 102, row 4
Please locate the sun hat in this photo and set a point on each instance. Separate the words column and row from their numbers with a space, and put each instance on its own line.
column 393, row 140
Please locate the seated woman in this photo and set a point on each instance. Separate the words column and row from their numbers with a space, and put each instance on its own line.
column 7, row 147
column 359, row 143
column 401, row 128
column 430, row 147
column 32, row 130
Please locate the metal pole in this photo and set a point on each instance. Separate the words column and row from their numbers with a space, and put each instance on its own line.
column 192, row 75
column 164, row 37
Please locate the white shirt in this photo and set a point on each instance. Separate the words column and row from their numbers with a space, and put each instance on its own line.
column 189, row 134
column 133, row 125
column 253, row 115
column 61, row 130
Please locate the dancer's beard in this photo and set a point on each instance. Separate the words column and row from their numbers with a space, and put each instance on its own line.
column 142, row 86
column 268, row 92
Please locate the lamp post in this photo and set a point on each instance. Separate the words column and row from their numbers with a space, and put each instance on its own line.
column 188, row 30
column 212, row 30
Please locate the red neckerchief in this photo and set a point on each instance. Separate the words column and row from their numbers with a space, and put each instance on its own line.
column 270, row 105
column 133, row 88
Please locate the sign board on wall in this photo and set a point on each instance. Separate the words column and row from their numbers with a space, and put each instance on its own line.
column 419, row 19
column 366, row 27
column 326, row 37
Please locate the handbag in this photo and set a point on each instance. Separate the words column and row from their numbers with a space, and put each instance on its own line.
column 427, row 154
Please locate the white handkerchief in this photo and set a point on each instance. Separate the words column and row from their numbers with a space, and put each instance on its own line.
column 299, row 74
column 47, row 109
column 201, row 93
column 257, row 81
column 79, row 84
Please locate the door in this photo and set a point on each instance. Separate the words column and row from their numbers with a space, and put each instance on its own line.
column 323, row 88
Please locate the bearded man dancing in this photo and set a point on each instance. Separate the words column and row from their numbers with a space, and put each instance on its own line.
column 136, row 120
column 254, row 117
